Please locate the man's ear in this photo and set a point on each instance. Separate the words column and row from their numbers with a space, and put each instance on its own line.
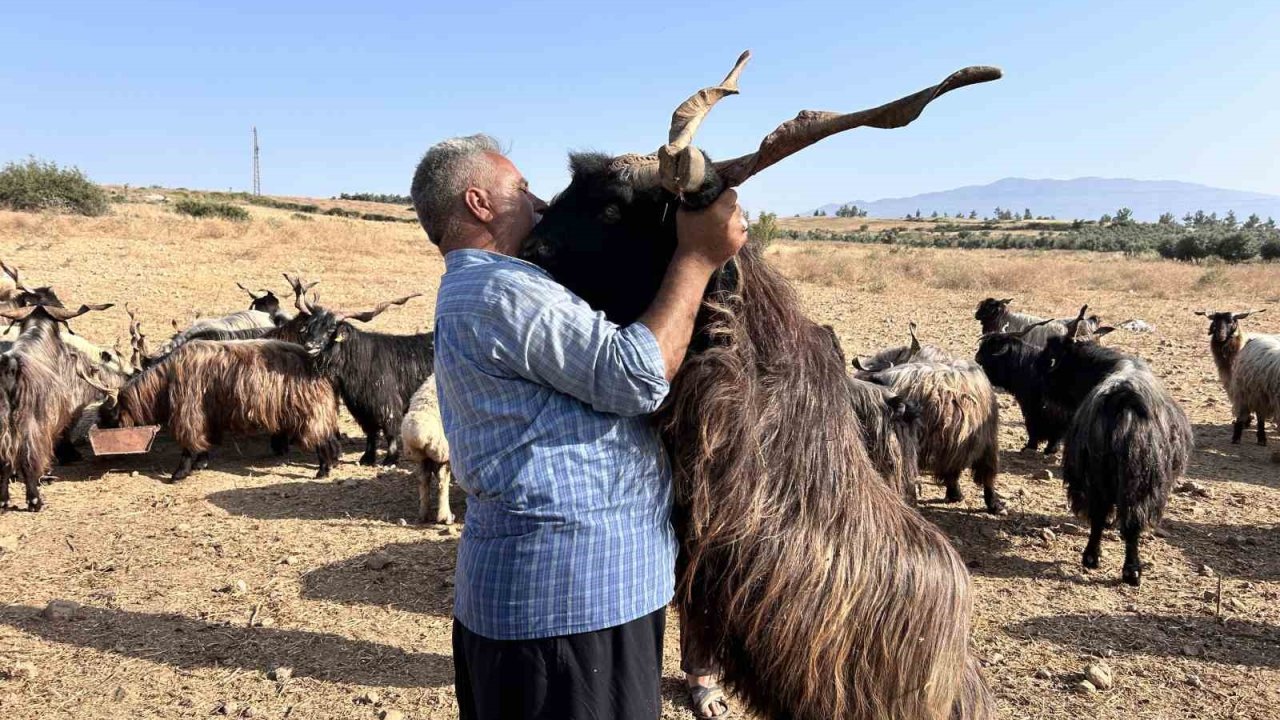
column 479, row 204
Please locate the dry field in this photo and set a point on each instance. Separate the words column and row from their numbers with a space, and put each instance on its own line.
column 193, row 593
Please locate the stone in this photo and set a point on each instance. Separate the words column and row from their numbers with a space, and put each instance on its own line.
column 1205, row 571
column 1084, row 687
column 289, row 560
column 1043, row 674
column 369, row 698
column 237, row 587
column 1045, row 474
column 1194, row 681
column 1193, row 650
column 1047, row 535
column 8, row 544
column 391, row 715
column 280, row 673
column 120, row 694
column 1099, row 675
column 377, row 561
column 59, row 610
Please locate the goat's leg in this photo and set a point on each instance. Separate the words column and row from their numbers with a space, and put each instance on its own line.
column 183, row 470
column 984, row 473
column 35, row 503
column 201, row 462
column 1237, row 428
column 4, row 488
column 1130, row 529
column 1033, row 422
column 1097, row 523
column 439, row 473
column 328, row 452
column 370, row 456
column 952, row 482
column 1262, row 428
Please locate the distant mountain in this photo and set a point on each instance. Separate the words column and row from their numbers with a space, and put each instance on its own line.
column 1085, row 198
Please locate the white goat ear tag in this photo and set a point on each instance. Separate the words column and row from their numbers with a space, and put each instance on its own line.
column 339, row 338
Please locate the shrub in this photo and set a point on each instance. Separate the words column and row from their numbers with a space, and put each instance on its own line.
column 1237, row 246
column 36, row 185
column 1270, row 249
column 206, row 209
column 301, row 216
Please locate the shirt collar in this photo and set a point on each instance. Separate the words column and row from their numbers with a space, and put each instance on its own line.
column 468, row 257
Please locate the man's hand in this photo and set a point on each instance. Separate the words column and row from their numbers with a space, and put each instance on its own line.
column 706, row 240
column 712, row 235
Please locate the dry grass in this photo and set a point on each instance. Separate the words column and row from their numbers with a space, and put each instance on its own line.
column 159, row 639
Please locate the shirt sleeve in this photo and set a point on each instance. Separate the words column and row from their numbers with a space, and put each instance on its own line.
column 556, row 339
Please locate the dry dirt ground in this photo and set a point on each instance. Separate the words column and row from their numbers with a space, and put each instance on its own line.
column 193, row 593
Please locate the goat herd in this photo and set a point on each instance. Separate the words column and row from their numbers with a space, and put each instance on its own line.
column 255, row 371
column 265, row 371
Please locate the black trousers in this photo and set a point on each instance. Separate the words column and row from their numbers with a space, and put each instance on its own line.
column 610, row 674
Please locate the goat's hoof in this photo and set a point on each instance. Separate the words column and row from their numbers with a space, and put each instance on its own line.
column 322, row 474
column 390, row 460
column 1235, row 441
column 953, row 497
column 1052, row 449
column 35, row 505
column 998, row 508
column 444, row 519
column 1090, row 561
column 1132, row 576
column 368, row 460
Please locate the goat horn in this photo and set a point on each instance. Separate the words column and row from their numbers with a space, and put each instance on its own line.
column 368, row 315
column 915, row 342
column 255, row 297
column 18, row 314
column 681, row 167
column 63, row 314
column 112, row 393
column 1245, row 314
column 1023, row 332
column 810, row 126
column 13, row 273
column 1073, row 327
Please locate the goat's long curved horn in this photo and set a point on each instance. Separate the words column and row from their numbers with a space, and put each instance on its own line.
column 255, row 297
column 1023, row 332
column 18, row 314
column 113, row 394
column 915, row 341
column 13, row 274
column 1073, row 327
column 1245, row 314
column 368, row 315
column 681, row 167
column 810, row 126
column 63, row 314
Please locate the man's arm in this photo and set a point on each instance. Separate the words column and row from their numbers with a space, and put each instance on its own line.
column 706, row 240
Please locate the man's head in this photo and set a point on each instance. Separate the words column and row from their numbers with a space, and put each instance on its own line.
column 468, row 194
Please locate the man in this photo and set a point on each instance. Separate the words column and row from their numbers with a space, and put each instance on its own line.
column 566, row 561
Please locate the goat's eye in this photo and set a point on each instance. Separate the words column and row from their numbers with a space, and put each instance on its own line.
column 611, row 213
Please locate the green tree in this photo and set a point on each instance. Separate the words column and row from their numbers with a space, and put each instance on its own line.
column 764, row 229
column 1165, row 219
column 1026, row 214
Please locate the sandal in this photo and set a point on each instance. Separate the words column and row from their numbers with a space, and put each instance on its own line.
column 703, row 699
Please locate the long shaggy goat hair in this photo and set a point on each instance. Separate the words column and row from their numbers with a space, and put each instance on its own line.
column 960, row 420
column 775, row 502
column 891, row 428
column 205, row 390
column 1128, row 441
column 41, row 395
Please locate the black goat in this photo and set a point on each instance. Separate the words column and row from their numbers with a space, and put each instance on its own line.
column 1127, row 443
column 376, row 374
column 1010, row 363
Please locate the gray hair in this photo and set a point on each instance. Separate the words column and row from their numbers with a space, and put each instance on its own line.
column 444, row 173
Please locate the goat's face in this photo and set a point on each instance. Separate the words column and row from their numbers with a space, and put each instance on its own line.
column 1223, row 326
column 322, row 330
column 269, row 303
column 994, row 352
column 991, row 308
column 608, row 237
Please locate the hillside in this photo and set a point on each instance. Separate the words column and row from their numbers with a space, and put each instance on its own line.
column 1086, row 198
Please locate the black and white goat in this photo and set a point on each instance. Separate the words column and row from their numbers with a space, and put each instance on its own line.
column 1249, row 367
column 996, row 316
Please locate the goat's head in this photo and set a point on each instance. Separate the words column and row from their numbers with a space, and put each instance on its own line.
column 610, row 235
column 32, row 314
column 991, row 308
column 325, row 328
column 262, row 301
column 1223, row 326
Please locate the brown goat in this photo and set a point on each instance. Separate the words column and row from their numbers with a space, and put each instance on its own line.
column 774, row 504
column 206, row 389
column 41, row 395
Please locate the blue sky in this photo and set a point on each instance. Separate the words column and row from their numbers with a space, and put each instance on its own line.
column 347, row 95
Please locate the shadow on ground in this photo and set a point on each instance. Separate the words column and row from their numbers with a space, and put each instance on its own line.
column 417, row 577
column 187, row 643
column 1232, row 642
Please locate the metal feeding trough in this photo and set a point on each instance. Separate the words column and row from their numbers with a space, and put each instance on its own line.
column 122, row 441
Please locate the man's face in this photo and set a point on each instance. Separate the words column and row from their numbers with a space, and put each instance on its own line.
column 516, row 208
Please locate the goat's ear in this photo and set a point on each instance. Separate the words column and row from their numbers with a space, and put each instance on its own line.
column 342, row 333
column 1202, row 313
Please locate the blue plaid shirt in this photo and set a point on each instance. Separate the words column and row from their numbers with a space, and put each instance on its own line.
column 568, row 485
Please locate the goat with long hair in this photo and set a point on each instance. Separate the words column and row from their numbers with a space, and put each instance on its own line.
column 821, row 593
